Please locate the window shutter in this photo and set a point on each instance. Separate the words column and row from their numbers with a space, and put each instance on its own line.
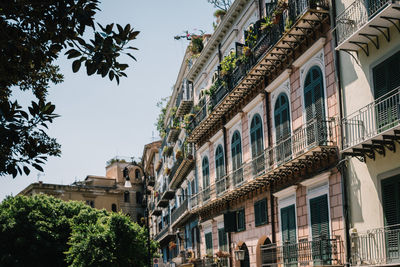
column 391, row 200
column 263, row 211
column 319, row 217
column 288, row 222
column 230, row 222
column 241, row 224
column 257, row 211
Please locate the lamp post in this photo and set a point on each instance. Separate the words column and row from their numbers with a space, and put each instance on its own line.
column 146, row 210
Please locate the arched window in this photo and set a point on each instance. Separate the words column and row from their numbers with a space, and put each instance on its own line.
column 137, row 174
column 256, row 136
column 206, row 172
column 282, row 128
column 206, row 178
column 256, row 139
column 314, row 103
column 219, row 162
column 236, row 150
column 114, row 207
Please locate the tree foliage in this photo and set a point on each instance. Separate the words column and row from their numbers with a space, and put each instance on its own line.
column 45, row 231
column 221, row 4
column 34, row 32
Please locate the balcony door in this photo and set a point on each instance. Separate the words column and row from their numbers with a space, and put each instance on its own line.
column 282, row 128
column 386, row 77
column 257, row 147
column 220, row 169
column 289, row 239
column 321, row 245
column 314, row 106
column 391, row 211
column 236, row 149
column 206, row 178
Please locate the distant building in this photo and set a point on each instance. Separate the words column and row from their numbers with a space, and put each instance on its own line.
column 101, row 192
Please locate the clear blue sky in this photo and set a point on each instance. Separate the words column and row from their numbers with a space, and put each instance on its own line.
column 99, row 119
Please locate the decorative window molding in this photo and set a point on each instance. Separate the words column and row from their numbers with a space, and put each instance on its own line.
column 279, row 81
column 234, row 120
column 318, row 45
column 319, row 179
column 290, row 191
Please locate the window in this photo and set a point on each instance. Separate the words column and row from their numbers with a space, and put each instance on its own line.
column 319, row 216
column 282, row 127
column 386, row 77
column 126, row 196
column 236, row 150
column 256, row 139
column 219, row 162
column 206, row 173
column 222, row 240
column 90, row 203
column 391, row 200
column 137, row 174
column 260, row 212
column 209, row 246
column 288, row 221
column 241, row 220
column 138, row 198
column 114, row 207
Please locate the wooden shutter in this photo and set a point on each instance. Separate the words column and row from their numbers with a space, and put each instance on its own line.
column 230, row 223
column 241, row 220
column 208, row 238
column 386, row 75
column 288, row 224
column 391, row 200
column 260, row 212
column 257, row 215
column 222, row 239
column 319, row 217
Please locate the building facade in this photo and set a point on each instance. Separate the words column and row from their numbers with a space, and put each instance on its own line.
column 102, row 192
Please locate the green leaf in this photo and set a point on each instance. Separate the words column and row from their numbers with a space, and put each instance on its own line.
column 26, row 170
column 111, row 75
column 37, row 167
column 76, row 65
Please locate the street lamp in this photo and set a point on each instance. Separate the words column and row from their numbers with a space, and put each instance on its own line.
column 146, row 210
column 239, row 255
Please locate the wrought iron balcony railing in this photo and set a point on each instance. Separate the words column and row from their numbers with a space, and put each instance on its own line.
column 162, row 233
column 179, row 211
column 315, row 133
column 374, row 119
column 376, row 247
column 264, row 55
column 360, row 13
column 319, row 252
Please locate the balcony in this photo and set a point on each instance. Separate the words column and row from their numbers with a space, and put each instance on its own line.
column 154, row 210
column 165, row 196
column 376, row 247
column 374, row 128
column 184, row 100
column 273, row 51
column 180, row 215
column 173, row 133
column 320, row 252
column 363, row 21
column 181, row 168
column 164, row 234
column 309, row 149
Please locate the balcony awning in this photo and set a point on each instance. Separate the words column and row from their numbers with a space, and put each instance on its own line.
column 183, row 170
column 359, row 26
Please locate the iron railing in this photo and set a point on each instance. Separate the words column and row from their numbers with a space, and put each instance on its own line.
column 266, row 40
column 376, row 247
column 371, row 120
column 322, row 251
column 356, row 15
column 162, row 232
column 179, row 211
column 312, row 134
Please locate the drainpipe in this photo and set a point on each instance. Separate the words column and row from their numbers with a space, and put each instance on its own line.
column 342, row 165
column 272, row 199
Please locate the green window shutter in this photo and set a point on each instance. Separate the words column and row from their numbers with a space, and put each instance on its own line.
column 391, row 200
column 288, row 224
column 222, row 240
column 319, row 217
column 209, row 247
column 260, row 212
column 386, row 75
column 241, row 221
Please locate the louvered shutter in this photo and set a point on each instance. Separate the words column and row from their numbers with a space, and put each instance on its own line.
column 209, row 247
column 230, row 222
column 319, row 217
column 288, row 218
column 391, row 199
column 263, row 211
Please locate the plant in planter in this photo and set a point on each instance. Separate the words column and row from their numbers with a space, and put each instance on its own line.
column 288, row 24
column 219, row 13
column 222, row 254
column 251, row 37
column 171, row 245
column 167, row 171
column 178, row 154
column 196, row 44
column 187, row 119
column 167, row 151
column 228, row 64
column 266, row 23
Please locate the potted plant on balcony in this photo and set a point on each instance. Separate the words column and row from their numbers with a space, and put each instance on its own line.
column 196, row 44
column 222, row 254
column 178, row 154
column 219, row 14
column 167, row 171
column 228, row 64
column 266, row 23
column 167, row 151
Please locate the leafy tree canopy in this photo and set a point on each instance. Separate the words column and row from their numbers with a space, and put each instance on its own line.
column 34, row 32
column 45, row 231
column 221, row 4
